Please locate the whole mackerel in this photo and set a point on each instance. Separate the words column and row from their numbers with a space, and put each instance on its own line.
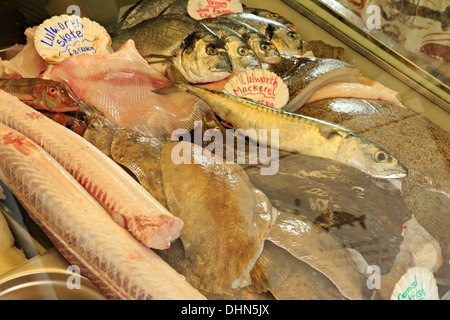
column 128, row 203
column 298, row 133
column 78, row 226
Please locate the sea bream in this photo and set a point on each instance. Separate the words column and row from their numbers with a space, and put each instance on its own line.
column 286, row 40
column 265, row 50
column 194, row 50
column 81, row 229
column 297, row 133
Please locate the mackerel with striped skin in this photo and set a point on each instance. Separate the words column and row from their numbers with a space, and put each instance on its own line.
column 298, row 133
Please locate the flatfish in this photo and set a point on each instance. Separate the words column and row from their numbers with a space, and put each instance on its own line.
column 418, row 143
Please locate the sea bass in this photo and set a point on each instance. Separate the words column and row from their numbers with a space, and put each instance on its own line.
column 128, row 203
column 42, row 94
column 297, row 133
column 81, row 229
column 194, row 50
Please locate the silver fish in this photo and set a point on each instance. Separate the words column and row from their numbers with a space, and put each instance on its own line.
column 195, row 51
column 297, row 133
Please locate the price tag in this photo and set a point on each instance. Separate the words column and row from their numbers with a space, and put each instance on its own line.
column 260, row 85
column 63, row 36
column 204, row 9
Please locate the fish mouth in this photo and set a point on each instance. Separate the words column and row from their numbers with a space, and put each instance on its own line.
column 271, row 60
column 221, row 70
column 390, row 174
column 291, row 26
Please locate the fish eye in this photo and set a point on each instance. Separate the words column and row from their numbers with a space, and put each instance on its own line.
column 264, row 47
column 242, row 51
column 69, row 125
column 275, row 16
column 83, row 118
column 381, row 156
column 53, row 91
column 293, row 35
column 211, row 51
column 95, row 124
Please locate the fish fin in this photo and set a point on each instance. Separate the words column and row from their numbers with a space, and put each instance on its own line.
column 270, row 269
column 177, row 86
column 174, row 74
column 362, row 221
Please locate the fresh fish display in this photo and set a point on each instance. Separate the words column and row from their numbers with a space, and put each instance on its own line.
column 120, row 85
column 242, row 55
column 287, row 41
column 305, row 75
column 265, row 50
column 297, row 133
column 234, row 220
column 365, row 214
column 194, row 50
column 84, row 233
column 71, row 123
column 129, row 205
column 410, row 136
column 42, row 94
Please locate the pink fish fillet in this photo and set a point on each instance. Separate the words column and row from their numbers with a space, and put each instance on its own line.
column 120, row 84
column 81, row 229
column 128, row 203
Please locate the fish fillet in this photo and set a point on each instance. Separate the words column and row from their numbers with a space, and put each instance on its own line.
column 120, row 85
column 129, row 204
column 109, row 256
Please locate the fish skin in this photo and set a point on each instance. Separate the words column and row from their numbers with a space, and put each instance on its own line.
column 196, row 52
column 67, row 121
column 84, row 233
column 270, row 15
column 128, row 203
column 242, row 55
column 265, row 50
column 42, row 94
column 285, row 39
column 298, row 133
column 143, row 10
column 127, row 80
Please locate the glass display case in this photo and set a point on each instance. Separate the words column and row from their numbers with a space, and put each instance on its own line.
column 330, row 218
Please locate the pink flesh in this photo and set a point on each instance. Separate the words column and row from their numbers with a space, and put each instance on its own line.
column 120, row 85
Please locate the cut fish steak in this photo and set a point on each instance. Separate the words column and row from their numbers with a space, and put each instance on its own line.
column 120, row 266
column 129, row 204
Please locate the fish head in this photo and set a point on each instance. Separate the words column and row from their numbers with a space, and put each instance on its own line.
column 276, row 17
column 71, row 123
column 56, row 96
column 242, row 56
column 204, row 58
column 100, row 132
column 372, row 159
column 264, row 48
column 287, row 41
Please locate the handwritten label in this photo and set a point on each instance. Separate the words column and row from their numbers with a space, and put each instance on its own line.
column 204, row 9
column 417, row 283
column 64, row 36
column 260, row 85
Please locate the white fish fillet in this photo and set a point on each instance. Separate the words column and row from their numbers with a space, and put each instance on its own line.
column 120, row 85
column 129, row 204
column 81, row 229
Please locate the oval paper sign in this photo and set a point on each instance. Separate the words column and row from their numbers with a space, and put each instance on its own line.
column 417, row 283
column 63, row 36
column 204, row 9
column 260, row 85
